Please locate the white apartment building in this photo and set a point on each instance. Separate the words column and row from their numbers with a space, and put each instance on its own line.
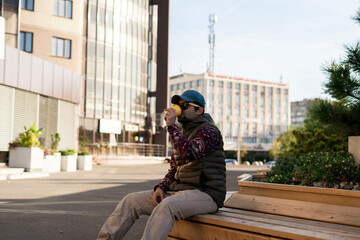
column 253, row 111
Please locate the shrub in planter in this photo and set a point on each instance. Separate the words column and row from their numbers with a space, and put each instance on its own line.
column 321, row 169
column 283, row 170
column 55, row 139
column 30, row 138
column 26, row 152
column 67, row 152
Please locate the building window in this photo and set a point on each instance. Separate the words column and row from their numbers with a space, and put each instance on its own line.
column 26, row 39
column 192, row 84
column 246, row 90
column 220, row 84
column 27, row 4
column 199, row 83
column 63, row 8
column 61, row 47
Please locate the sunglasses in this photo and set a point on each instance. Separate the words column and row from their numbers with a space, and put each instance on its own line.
column 185, row 105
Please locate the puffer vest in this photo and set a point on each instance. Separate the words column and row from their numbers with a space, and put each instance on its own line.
column 208, row 173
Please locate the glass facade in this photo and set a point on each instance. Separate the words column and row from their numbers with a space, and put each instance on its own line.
column 117, row 64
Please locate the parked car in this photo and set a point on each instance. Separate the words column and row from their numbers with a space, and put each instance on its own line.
column 231, row 162
column 270, row 164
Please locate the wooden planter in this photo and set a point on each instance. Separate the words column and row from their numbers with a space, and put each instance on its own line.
column 25, row 157
column 69, row 163
column 323, row 204
column 84, row 162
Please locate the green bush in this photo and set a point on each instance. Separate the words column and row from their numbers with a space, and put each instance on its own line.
column 55, row 140
column 81, row 153
column 324, row 169
column 68, row 152
column 283, row 170
column 30, row 138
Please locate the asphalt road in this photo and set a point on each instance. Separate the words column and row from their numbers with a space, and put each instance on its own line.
column 74, row 205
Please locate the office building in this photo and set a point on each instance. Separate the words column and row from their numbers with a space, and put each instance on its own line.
column 33, row 90
column 124, row 85
column 299, row 112
column 113, row 44
column 253, row 111
column 116, row 85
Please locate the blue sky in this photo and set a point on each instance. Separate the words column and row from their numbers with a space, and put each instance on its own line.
column 263, row 39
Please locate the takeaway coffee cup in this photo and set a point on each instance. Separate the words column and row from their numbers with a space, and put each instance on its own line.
column 177, row 109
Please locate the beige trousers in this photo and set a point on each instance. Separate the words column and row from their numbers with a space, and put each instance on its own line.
column 175, row 206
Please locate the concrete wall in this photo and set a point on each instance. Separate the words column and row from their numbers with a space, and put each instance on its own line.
column 354, row 147
column 45, row 25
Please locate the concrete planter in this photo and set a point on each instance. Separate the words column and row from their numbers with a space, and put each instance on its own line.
column 52, row 163
column 323, row 204
column 25, row 157
column 69, row 163
column 84, row 162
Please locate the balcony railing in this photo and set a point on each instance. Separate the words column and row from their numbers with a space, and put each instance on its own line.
column 127, row 149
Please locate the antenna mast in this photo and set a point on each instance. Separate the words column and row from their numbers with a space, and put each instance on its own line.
column 212, row 21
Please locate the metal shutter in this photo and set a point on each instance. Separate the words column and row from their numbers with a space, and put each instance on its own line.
column 48, row 119
column 68, row 124
column 26, row 110
column 6, row 103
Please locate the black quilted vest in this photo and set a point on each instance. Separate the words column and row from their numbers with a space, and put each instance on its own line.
column 208, row 173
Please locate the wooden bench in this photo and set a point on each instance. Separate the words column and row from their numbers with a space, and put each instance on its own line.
column 275, row 211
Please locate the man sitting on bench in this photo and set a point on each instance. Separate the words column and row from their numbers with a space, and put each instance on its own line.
column 195, row 183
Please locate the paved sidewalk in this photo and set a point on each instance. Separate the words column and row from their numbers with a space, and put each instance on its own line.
column 74, row 205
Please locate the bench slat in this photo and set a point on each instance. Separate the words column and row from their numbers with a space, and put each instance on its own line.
column 327, row 228
column 341, row 227
column 185, row 229
column 266, row 228
column 308, row 210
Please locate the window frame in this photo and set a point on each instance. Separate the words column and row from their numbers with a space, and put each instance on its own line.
column 25, row 40
column 63, row 42
column 25, row 4
column 63, row 11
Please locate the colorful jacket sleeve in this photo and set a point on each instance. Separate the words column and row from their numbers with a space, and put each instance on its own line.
column 204, row 143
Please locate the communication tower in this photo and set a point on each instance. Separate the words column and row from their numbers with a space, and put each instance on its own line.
column 212, row 21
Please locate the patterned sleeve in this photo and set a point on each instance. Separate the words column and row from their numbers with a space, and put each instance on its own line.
column 204, row 143
column 169, row 177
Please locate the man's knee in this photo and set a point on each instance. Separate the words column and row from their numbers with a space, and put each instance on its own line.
column 172, row 207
